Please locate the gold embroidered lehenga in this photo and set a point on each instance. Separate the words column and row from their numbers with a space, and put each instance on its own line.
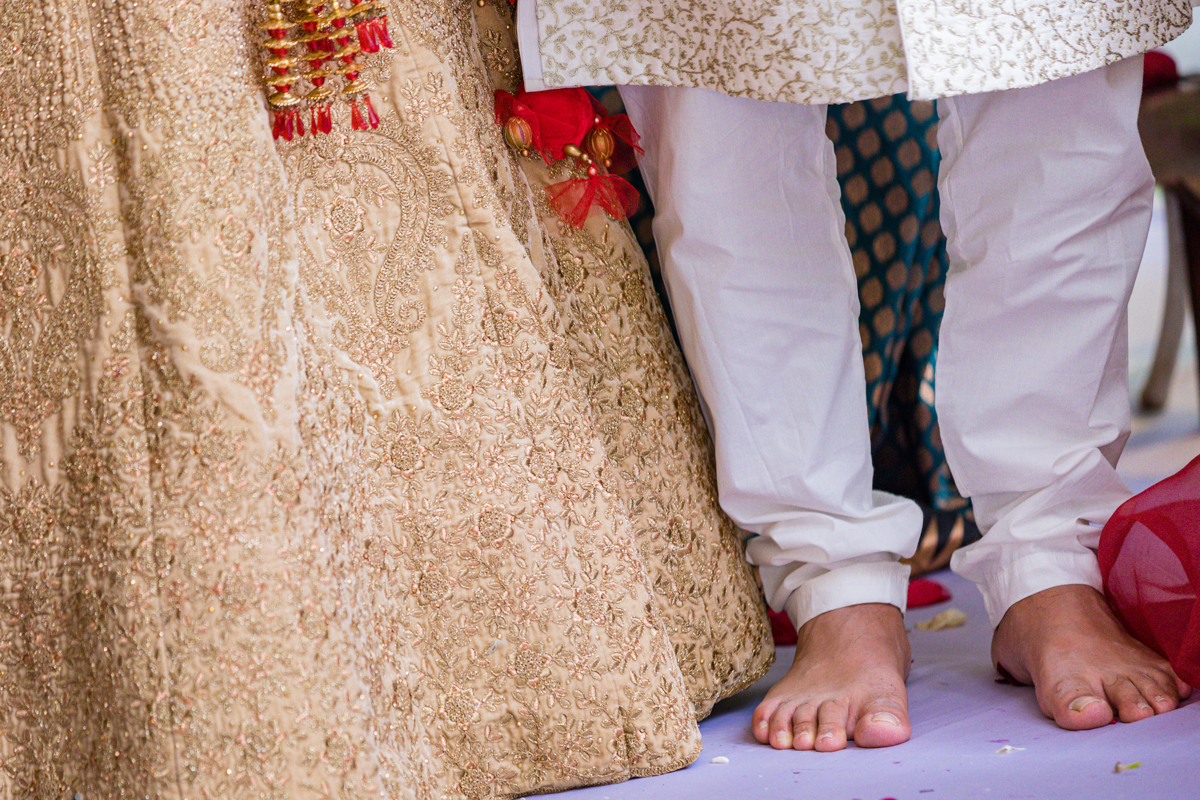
column 338, row 468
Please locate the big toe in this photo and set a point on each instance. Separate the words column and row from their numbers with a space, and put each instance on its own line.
column 882, row 727
column 1081, row 710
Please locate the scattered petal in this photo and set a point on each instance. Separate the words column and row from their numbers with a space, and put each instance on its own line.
column 1008, row 748
column 1119, row 768
column 924, row 592
column 950, row 618
column 720, row 760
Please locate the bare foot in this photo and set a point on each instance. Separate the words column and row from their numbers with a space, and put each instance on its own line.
column 1085, row 668
column 847, row 681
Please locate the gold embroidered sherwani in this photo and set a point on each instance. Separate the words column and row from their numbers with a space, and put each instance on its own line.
column 338, row 468
column 836, row 51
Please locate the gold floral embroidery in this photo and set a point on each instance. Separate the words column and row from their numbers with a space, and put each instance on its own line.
column 336, row 469
column 836, row 51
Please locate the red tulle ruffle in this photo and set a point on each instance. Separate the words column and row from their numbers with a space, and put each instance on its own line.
column 1150, row 561
column 573, row 199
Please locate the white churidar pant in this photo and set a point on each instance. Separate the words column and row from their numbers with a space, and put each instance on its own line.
column 1045, row 201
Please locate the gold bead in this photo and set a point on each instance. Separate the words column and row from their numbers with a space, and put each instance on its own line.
column 518, row 133
column 600, row 143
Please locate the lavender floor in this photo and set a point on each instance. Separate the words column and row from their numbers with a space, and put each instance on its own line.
column 961, row 717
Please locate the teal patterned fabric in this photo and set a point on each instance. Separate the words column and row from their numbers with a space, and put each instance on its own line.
column 887, row 163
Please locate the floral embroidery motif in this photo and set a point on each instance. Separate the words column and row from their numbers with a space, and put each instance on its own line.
column 839, row 51
column 334, row 468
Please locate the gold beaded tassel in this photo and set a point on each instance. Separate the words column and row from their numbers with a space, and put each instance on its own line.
column 331, row 34
column 355, row 87
column 285, row 117
column 315, row 35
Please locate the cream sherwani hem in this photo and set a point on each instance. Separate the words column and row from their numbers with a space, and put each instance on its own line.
column 838, row 51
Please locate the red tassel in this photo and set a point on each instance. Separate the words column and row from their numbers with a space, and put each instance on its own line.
column 573, row 199
column 381, row 31
column 372, row 117
column 283, row 124
column 356, row 118
column 623, row 129
column 367, row 36
column 319, row 120
column 616, row 196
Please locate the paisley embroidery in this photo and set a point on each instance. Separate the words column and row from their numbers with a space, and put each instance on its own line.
column 336, row 468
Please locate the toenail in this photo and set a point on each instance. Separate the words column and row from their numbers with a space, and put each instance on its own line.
column 782, row 737
column 1080, row 703
column 1142, row 704
column 761, row 726
column 826, row 737
column 883, row 716
column 1160, row 699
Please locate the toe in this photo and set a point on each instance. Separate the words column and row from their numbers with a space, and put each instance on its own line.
column 760, row 724
column 1130, row 704
column 780, row 730
column 804, row 727
column 831, row 727
column 1080, row 708
column 882, row 726
column 1159, row 691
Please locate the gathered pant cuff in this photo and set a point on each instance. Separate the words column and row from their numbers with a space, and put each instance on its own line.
column 1008, row 581
column 851, row 585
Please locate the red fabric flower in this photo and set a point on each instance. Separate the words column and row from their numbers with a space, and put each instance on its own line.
column 558, row 117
